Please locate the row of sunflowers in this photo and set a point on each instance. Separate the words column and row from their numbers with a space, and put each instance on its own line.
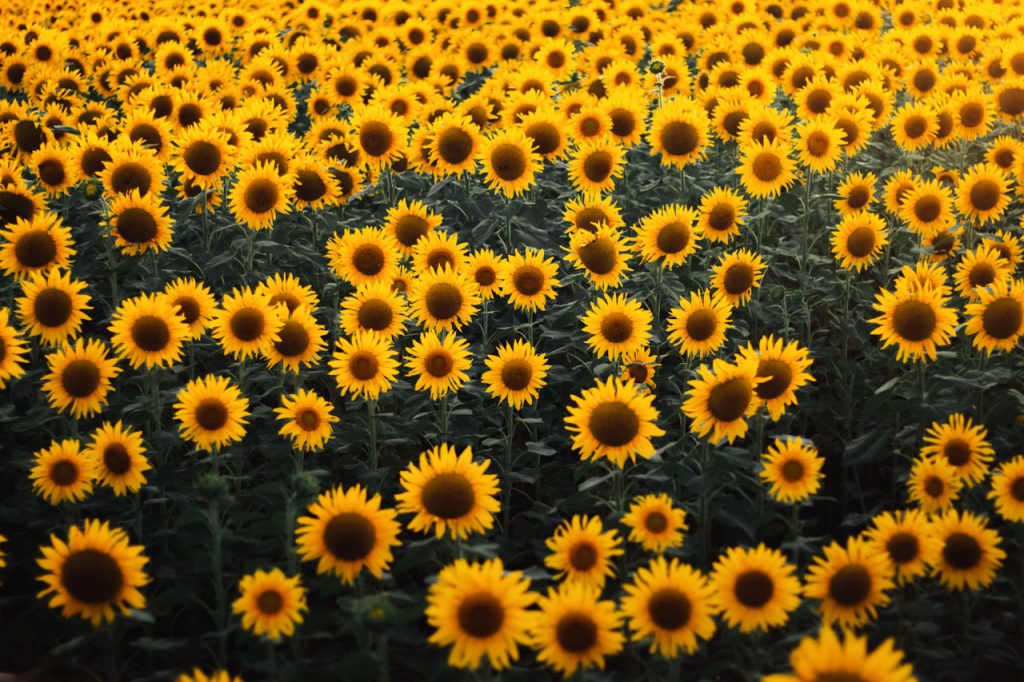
column 608, row 339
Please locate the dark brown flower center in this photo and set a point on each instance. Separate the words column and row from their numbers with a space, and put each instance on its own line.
column 454, row 145
column 376, row 138
column 443, row 300
column 350, row 536
column 309, row 186
column 211, row 414
column 767, row 167
column 375, row 314
column 188, row 308
column 599, row 256
column 778, row 375
column 516, row 374
column 738, row 278
column 64, row 473
column 51, row 172
column 673, row 237
column 202, row 157
column 485, row 276
column 270, row 602
column 150, row 333
column 52, row 307
column 850, row 585
column 669, row 609
column 409, row 228
column 363, row 366
column 81, row 378
column 617, row 327
column 308, row 420
column 818, row 143
column 368, row 259
column 792, row 470
column 729, row 400
column 136, row 225
column 656, row 522
column 754, row 588
column 962, row 551
column 902, row 547
column 261, row 195
column 508, row 162
column 528, row 280
column 481, row 615
column 576, row 633
column 934, row 486
column 294, row 339
column 598, row 166
column 439, row 364
column 448, row 496
column 546, row 137
column 35, row 248
column 1002, row 318
column 914, row 320
column 583, row 556
column 91, row 576
column 927, row 208
column 247, row 324
column 957, row 451
column 861, row 242
column 679, row 138
column 985, row 194
column 614, row 424
column 116, row 459
column 589, row 217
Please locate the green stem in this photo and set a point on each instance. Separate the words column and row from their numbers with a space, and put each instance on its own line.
column 371, row 408
column 506, row 510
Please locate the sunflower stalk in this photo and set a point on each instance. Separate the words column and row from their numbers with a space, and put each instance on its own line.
column 371, row 409
column 213, row 519
column 510, row 426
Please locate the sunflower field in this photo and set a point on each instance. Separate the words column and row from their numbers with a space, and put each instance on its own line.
column 478, row 340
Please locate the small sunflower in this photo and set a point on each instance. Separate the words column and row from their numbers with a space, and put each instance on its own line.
column 119, row 457
column 782, row 367
column 655, row 523
column 374, row 307
column 672, row 604
column 203, row 154
column 667, row 236
column 308, row 420
column 596, row 164
column 528, row 279
column 1008, row 489
column 962, row 444
column 573, row 630
column 480, row 610
column 927, row 208
column 850, row 582
column 583, row 552
column 148, row 331
column 698, row 324
column 737, row 275
column 439, row 364
column 515, row 373
column 194, row 303
column 287, row 289
column 509, row 162
column 139, row 223
column 616, row 325
column 439, row 249
column 996, row 320
column 792, row 469
column 484, row 267
column 299, row 343
column 766, row 168
column 602, row 254
column 247, row 324
column 345, row 531
column 970, row 554
column 13, row 350
column 907, row 539
column 271, row 603
column 80, row 377
column 449, row 493
column 62, row 472
column 820, row 144
column 613, row 419
column 260, row 193
column 455, row 144
column 983, row 193
column 38, row 244
column 918, row 322
column 408, row 222
column 53, row 306
column 211, row 412
column 588, row 211
column 721, row 399
column 54, row 169
column 94, row 573
column 978, row 269
column 679, row 132
column 380, row 134
column 364, row 366
column 197, row 675
column 858, row 240
column 755, row 589
column 933, row 484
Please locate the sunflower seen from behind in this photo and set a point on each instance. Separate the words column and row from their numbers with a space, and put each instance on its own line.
column 271, row 603
column 755, row 588
column 95, row 573
column 574, row 629
column 615, row 420
column 347, row 531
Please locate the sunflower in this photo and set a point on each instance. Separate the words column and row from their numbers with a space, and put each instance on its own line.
column 792, row 469
column 591, row 122
column 455, row 144
column 308, row 420
column 602, row 254
column 62, row 472
column 858, row 240
column 917, row 321
column 983, row 193
column 722, row 212
column 139, row 223
column 346, row 531
column 247, row 324
column 132, row 166
column 1007, row 490
column 197, row 675
column 287, row 289
column 381, row 135
column 374, row 307
column 679, row 132
column 755, row 589
column 667, row 235
column 203, row 154
column 819, row 144
column 515, row 373
column 408, row 222
column 364, row 366
column 766, row 168
column 899, row 185
column 850, row 582
column 299, row 343
column 970, row 554
column 449, row 493
column 737, row 275
column 1008, row 246
column 964, row 446
column 211, row 412
column 509, row 161
column 484, row 268
column 18, row 202
column 259, row 194
column 271, row 603
column 996, row 320
column 95, row 572
column 589, row 211
column 655, row 523
column 53, row 306
column 363, row 256
column 194, row 303
column 547, row 130
column 148, row 331
column 37, row 244
column 638, row 366
column 13, row 349
column 933, row 484
column 907, row 539
column 439, row 364
column 313, row 185
column 79, row 377
column 53, row 167
column 783, row 369
column 722, row 397
column 596, row 164
column 856, row 193
column 927, row 208
column 439, row 249
column 914, row 126
column 671, row 603
column 582, row 551
column 480, row 610
column 616, row 325
column 613, row 419
column 828, row 657
column 528, row 279
column 573, row 630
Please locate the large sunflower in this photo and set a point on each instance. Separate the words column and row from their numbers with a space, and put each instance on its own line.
column 737, row 275
column 455, row 144
column 962, row 444
column 515, row 374
column 247, row 324
column 37, row 244
column 381, row 135
column 53, row 306
column 364, row 366
column 616, row 325
column 480, row 610
column 613, row 419
column 299, row 343
column 917, row 321
column 792, row 469
column 782, row 367
column 308, row 419
column 574, row 630
column 722, row 213
column 260, row 193
column 346, row 531
column 828, row 657
column 448, row 493
column 80, row 377
column 139, row 223
column 927, row 208
column 755, row 589
column 698, row 324
column 439, row 363
column 148, row 331
column 655, row 522
column 211, row 412
column 983, row 193
column 970, row 554
column 908, row 541
column 672, row 604
column 203, row 154
column 528, row 279
column 722, row 397
column 271, row 603
column 62, row 472
column 583, row 552
column 679, row 132
column 95, row 572
column 850, row 582
column 996, row 320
